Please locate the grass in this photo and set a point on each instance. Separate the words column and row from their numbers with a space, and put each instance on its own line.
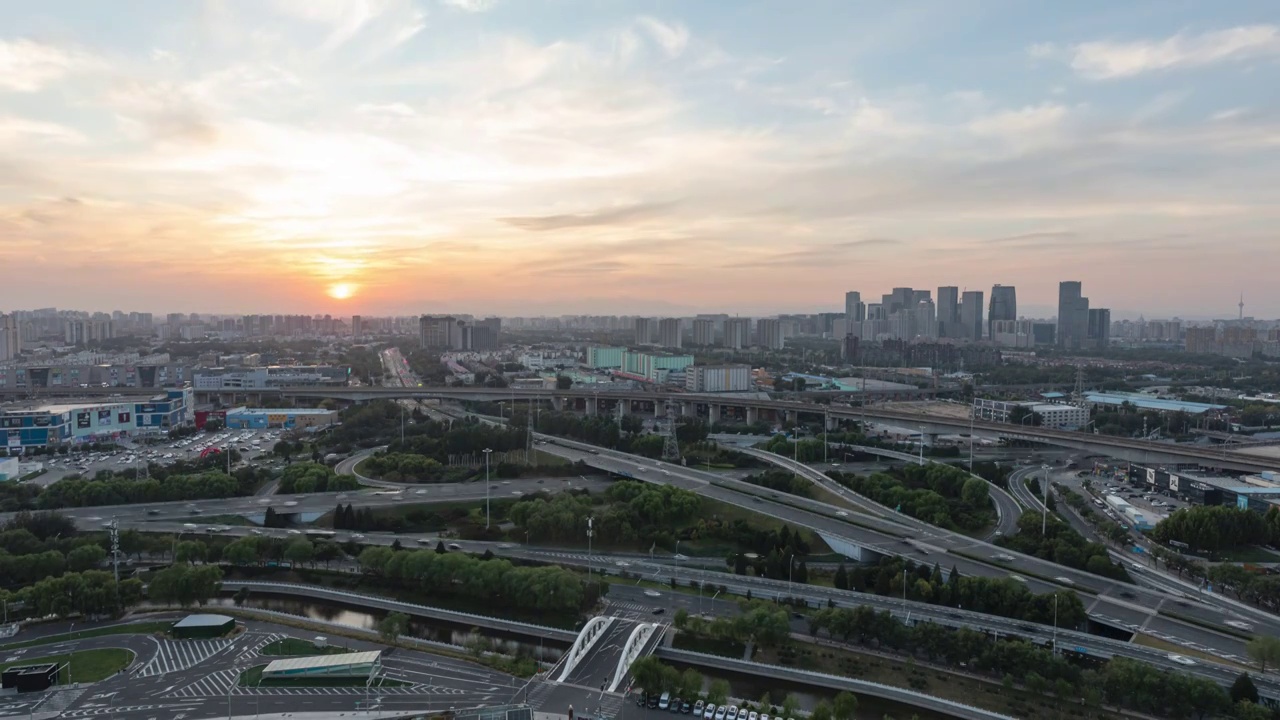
column 86, row 665
column 142, row 628
column 1251, row 554
column 298, row 647
column 253, row 678
column 1158, row 644
column 724, row 648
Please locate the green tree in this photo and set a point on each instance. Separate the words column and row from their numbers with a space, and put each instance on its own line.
column 790, row 704
column 374, row 559
column 1264, row 650
column 822, row 711
column 648, row 674
column 190, row 551
column 690, row 684
column 241, row 552
column 563, row 382
column 845, row 706
column 299, row 551
column 86, row 557
column 718, row 692
column 391, row 627
column 1244, row 689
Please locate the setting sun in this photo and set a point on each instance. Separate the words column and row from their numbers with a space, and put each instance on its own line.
column 341, row 291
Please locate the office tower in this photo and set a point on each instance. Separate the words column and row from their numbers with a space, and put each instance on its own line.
column 1004, row 306
column 10, row 337
column 948, row 311
column 1073, row 316
column 1202, row 339
column 703, row 332
column 737, row 333
column 900, row 299
column 357, row 327
column 646, row 328
column 669, row 332
column 854, row 312
column 769, row 333
column 971, row 315
column 1099, row 330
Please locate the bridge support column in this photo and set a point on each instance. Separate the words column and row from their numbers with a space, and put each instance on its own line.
column 593, row 406
column 688, row 409
column 713, row 414
column 624, row 407
column 753, row 415
column 791, row 416
column 829, row 423
column 557, row 403
column 659, row 409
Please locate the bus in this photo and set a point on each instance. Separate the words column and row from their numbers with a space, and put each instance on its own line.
column 320, row 533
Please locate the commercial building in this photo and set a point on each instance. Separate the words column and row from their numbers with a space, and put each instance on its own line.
column 854, row 312
column 1073, row 316
column 264, row 378
column 1147, row 402
column 653, row 367
column 357, row 327
column 80, row 332
column 604, row 358
column 1004, row 307
column 287, row 418
column 737, row 333
column 10, row 469
column 703, row 332
column 769, row 333
column 717, row 378
column 345, row 665
column 948, row 312
column 203, row 626
column 669, row 333
column 439, row 332
column 646, row 330
column 971, row 311
column 1051, row 415
column 1012, row 333
column 90, row 369
column 94, row 421
column 1099, row 328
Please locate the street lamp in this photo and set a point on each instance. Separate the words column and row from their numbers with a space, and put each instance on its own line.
column 922, row 445
column 1044, row 491
column 487, row 451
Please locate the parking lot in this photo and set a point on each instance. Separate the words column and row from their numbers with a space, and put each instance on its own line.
column 135, row 453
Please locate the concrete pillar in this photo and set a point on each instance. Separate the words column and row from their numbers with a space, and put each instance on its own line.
column 753, row 414
column 713, row 413
column 557, row 403
column 790, row 416
column 688, row 409
column 624, row 407
column 659, row 409
column 593, row 406
column 830, row 423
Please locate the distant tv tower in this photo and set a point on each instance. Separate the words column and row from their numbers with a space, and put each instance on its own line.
column 1241, row 306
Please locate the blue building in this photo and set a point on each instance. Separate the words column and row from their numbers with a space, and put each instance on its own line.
column 287, row 418
column 100, row 421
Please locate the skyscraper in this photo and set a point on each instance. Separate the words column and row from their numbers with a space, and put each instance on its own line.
column 357, row 327
column 703, row 332
column 1004, row 306
column 669, row 332
column 769, row 333
column 1073, row 316
column 10, row 337
column 971, row 311
column 645, row 330
column 1099, row 331
column 737, row 333
column 948, row 312
column 854, row 312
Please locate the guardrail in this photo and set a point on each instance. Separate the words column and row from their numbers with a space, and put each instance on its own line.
column 835, row 682
column 550, row 633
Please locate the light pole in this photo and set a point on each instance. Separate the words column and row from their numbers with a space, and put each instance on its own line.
column 1044, row 491
column 1055, row 624
column 972, row 414
column 487, row 451
column 826, row 430
column 922, row 445
column 590, row 532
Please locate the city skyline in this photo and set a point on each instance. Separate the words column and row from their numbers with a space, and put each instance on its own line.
column 491, row 157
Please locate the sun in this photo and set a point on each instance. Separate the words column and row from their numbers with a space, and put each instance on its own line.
column 341, row 291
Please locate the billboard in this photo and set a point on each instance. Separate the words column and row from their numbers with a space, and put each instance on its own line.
column 1173, row 483
column 82, row 420
column 1151, row 476
column 104, row 417
column 123, row 418
column 145, row 409
column 15, row 438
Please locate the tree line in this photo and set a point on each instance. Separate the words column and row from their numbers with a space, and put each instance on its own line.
column 940, row 495
column 314, row 478
column 626, row 512
column 1215, row 528
column 1061, row 544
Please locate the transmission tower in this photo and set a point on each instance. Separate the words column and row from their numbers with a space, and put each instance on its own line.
column 670, row 446
column 1077, row 396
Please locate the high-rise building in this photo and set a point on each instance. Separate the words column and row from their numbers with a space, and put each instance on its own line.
column 1099, row 330
column 357, row 327
column 717, row 378
column 948, row 311
column 737, row 333
column 646, row 328
column 1073, row 316
column 1004, row 306
column 1202, row 339
column 971, row 310
column 10, row 337
column 854, row 312
column 669, row 332
column 900, row 299
column 769, row 333
column 439, row 333
column 703, row 332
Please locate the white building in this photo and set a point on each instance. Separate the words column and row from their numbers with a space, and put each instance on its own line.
column 1059, row 417
column 717, row 378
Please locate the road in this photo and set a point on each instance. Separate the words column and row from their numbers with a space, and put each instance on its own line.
column 1135, row 606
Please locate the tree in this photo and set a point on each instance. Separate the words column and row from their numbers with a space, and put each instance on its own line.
column 1244, row 689
column 1264, row 650
column 241, row 552
column 86, row 557
column 299, row 551
column 790, row 704
column 845, row 706
column 718, row 692
column 822, row 711
column 841, row 579
column 690, row 684
column 648, row 674
column 975, row 492
column 190, row 552
column 440, row 548
column 563, row 382
column 391, row 627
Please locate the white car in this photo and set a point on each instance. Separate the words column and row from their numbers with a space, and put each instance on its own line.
column 1065, row 580
column 1181, row 659
column 709, row 712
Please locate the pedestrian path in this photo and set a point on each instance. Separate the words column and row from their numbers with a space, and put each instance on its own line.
column 254, row 648
column 175, row 655
column 537, row 697
column 224, row 682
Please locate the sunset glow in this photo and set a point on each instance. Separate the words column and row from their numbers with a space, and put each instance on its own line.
column 408, row 156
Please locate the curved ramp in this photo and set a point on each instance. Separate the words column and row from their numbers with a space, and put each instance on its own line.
column 587, row 638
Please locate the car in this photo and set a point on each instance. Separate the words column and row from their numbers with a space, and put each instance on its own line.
column 194, row 511
column 1065, row 580
column 153, row 511
column 641, row 699
column 721, row 713
column 1239, row 625
column 653, row 701
column 665, row 701
column 709, row 712
column 842, row 513
column 763, row 716
column 753, row 715
column 454, row 546
column 294, row 532
column 1003, row 557
column 1181, row 659
column 676, row 704
column 698, row 707
column 1136, row 566
column 659, row 611
column 732, row 714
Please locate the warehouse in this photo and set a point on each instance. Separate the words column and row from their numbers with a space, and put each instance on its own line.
column 203, row 626
column 286, row 418
column 347, row 665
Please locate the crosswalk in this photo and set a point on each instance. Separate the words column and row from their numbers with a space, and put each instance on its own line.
column 254, row 649
column 175, row 655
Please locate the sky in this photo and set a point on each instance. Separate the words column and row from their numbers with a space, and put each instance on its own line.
column 529, row 157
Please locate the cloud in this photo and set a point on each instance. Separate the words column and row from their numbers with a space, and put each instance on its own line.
column 1106, row 60
column 472, row 6
column 27, row 66
column 16, row 129
column 1029, row 119
column 672, row 37
column 613, row 216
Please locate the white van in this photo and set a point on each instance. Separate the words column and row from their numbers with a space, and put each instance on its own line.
column 664, row 702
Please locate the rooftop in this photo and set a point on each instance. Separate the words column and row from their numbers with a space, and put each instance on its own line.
column 203, row 620
column 283, row 411
column 1146, row 402
column 317, row 662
